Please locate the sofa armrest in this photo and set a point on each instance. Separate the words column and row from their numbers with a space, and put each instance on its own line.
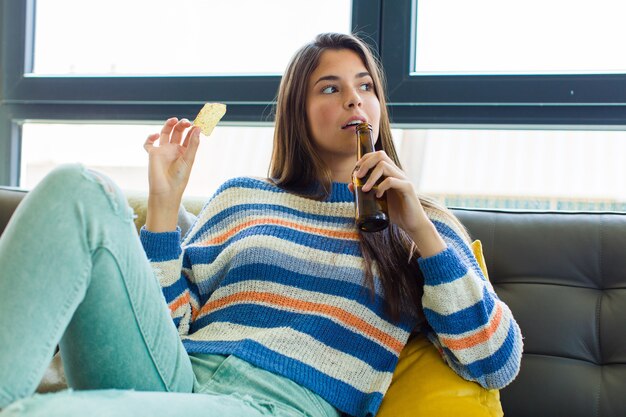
column 10, row 197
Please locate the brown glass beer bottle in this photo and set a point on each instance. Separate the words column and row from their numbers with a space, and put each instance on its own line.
column 371, row 212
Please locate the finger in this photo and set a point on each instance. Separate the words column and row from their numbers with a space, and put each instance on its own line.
column 188, row 135
column 167, row 130
column 403, row 186
column 384, row 169
column 375, row 174
column 363, row 165
column 191, row 144
column 369, row 160
column 177, row 131
column 149, row 143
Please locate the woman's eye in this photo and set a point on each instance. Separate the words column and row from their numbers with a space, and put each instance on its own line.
column 367, row 87
column 328, row 90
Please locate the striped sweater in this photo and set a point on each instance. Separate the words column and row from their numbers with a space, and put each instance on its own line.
column 277, row 280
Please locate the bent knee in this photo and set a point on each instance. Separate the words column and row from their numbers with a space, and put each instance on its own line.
column 64, row 174
column 81, row 181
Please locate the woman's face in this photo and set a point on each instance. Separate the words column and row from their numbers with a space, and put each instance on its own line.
column 340, row 94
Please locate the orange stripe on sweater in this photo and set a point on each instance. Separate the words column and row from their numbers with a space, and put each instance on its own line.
column 317, row 230
column 181, row 300
column 287, row 302
column 476, row 338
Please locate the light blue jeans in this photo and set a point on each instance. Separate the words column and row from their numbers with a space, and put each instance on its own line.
column 73, row 273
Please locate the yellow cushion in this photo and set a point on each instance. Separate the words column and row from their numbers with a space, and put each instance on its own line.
column 477, row 248
column 139, row 203
column 424, row 385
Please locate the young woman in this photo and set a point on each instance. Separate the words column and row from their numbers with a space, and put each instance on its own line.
column 279, row 305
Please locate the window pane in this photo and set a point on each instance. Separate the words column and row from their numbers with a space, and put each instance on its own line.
column 164, row 37
column 520, row 37
column 117, row 150
column 522, row 169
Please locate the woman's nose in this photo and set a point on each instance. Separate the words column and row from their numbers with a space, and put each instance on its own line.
column 353, row 99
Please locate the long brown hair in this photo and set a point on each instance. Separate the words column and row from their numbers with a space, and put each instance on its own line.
column 296, row 166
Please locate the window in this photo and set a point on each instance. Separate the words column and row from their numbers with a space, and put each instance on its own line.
column 186, row 37
column 504, row 63
column 77, row 58
column 518, row 37
column 519, row 169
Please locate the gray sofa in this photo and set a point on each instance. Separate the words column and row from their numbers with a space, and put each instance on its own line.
column 564, row 277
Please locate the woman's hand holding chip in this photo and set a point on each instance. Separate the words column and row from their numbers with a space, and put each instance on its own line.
column 169, row 168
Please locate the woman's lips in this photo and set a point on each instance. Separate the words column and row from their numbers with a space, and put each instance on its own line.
column 353, row 123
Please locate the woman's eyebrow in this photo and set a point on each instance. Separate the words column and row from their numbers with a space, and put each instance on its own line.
column 336, row 78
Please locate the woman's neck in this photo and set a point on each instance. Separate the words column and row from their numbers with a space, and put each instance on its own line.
column 343, row 177
column 341, row 168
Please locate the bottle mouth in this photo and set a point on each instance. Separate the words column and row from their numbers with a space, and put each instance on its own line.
column 363, row 126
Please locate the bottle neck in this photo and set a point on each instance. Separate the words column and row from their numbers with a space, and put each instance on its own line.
column 365, row 144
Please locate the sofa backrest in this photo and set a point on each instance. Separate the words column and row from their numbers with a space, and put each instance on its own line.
column 564, row 277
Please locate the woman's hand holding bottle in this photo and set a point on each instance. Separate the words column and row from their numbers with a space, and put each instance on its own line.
column 169, row 168
column 405, row 208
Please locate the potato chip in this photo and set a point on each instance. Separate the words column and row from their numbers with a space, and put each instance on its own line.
column 209, row 115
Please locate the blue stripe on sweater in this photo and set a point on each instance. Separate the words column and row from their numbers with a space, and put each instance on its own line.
column 442, row 268
column 320, row 328
column 339, row 394
column 259, row 257
column 493, row 363
column 503, row 376
column 160, row 247
column 451, row 237
column 171, row 292
column 177, row 288
column 465, row 320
